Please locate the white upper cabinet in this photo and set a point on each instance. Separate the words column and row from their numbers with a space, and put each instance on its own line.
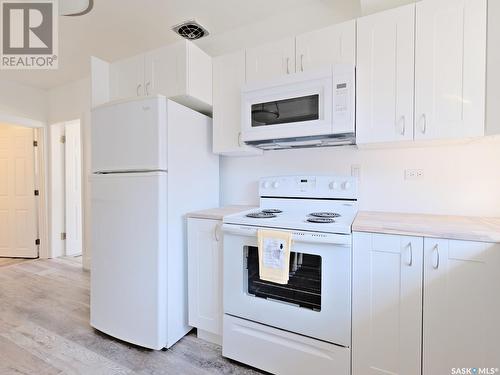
column 385, row 76
column 228, row 77
column 461, row 305
column 450, row 68
column 327, row 46
column 387, row 304
column 270, row 60
column 163, row 71
column 180, row 71
column 127, row 78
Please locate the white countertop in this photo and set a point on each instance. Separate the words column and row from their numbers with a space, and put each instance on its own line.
column 484, row 229
column 219, row 212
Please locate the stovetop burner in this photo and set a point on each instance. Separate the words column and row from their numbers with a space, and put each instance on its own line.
column 272, row 211
column 325, row 214
column 261, row 215
column 321, row 220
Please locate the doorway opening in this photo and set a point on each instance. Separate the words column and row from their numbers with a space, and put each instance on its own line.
column 19, row 192
column 66, row 189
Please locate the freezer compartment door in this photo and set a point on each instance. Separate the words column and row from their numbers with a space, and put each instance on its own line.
column 129, row 257
column 130, row 135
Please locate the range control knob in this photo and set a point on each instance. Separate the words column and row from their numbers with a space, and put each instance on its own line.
column 333, row 185
column 276, row 184
column 346, row 185
column 265, row 184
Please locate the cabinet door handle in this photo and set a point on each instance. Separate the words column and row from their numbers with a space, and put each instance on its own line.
column 403, row 127
column 302, row 62
column 146, row 87
column 424, row 123
column 287, row 65
column 410, row 254
column 239, row 139
column 216, row 233
column 138, row 89
column 435, row 261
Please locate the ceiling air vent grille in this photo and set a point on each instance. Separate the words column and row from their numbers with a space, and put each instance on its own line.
column 190, row 30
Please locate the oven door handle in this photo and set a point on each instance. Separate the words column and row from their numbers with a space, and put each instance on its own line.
column 297, row 236
column 240, row 230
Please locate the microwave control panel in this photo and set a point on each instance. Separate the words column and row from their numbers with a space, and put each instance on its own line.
column 343, row 98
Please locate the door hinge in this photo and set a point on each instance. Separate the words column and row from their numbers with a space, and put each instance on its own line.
column 35, row 143
column 37, row 193
column 37, row 241
column 63, row 139
column 63, row 236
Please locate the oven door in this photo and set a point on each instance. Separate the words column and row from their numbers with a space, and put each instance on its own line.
column 293, row 106
column 316, row 302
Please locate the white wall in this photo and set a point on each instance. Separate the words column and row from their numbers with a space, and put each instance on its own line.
column 459, row 179
column 66, row 103
column 23, row 101
column 291, row 21
column 69, row 102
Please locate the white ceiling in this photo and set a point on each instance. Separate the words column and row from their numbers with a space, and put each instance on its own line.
column 119, row 28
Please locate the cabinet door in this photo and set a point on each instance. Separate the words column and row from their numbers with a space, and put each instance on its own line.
column 450, row 68
column 461, row 305
column 330, row 45
column 385, row 76
column 127, row 78
column 199, row 74
column 205, row 275
column 164, row 71
column 270, row 60
column 228, row 77
column 387, row 304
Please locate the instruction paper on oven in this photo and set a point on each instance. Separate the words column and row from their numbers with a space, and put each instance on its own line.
column 274, row 253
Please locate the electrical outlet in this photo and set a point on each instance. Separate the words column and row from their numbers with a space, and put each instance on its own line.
column 356, row 171
column 414, row 174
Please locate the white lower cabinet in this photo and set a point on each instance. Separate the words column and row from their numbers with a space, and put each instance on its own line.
column 387, row 304
column 461, row 306
column 205, row 277
column 436, row 294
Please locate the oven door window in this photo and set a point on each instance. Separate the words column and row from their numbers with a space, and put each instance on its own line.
column 304, row 285
column 305, row 108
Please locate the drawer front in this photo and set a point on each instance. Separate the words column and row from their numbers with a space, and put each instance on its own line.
column 259, row 346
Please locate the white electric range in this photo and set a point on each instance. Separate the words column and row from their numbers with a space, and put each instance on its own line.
column 305, row 325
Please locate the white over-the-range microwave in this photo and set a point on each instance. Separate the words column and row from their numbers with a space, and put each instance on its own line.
column 305, row 109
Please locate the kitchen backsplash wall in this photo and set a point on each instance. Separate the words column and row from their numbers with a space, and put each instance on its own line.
column 459, row 179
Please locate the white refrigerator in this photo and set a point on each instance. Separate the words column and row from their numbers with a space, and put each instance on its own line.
column 151, row 164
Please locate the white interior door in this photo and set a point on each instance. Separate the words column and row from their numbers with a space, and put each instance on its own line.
column 57, row 186
column 73, row 191
column 18, row 215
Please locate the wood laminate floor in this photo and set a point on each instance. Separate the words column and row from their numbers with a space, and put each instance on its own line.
column 44, row 329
